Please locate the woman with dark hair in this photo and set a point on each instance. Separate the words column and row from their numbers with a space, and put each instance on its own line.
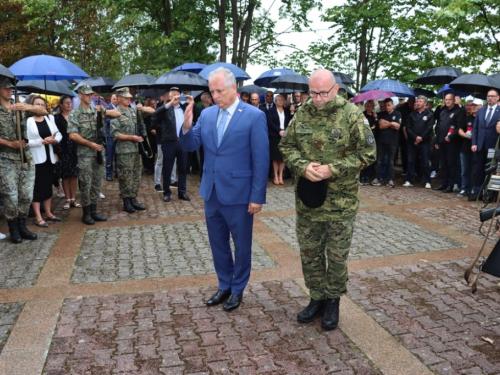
column 278, row 118
column 67, row 167
column 42, row 135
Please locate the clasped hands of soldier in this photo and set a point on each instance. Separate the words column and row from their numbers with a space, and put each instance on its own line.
column 316, row 172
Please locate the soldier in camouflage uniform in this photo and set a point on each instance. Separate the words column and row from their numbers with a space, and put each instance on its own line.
column 330, row 140
column 83, row 129
column 124, row 130
column 16, row 180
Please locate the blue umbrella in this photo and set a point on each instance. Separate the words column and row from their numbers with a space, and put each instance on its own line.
column 193, row 67
column 45, row 67
column 446, row 89
column 267, row 77
column 398, row 88
column 239, row 73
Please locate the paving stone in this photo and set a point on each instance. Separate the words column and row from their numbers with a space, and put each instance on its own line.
column 376, row 234
column 9, row 312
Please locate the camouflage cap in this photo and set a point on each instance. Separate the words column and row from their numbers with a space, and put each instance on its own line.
column 6, row 83
column 123, row 91
column 85, row 90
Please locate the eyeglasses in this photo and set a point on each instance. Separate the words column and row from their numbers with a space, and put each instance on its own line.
column 323, row 94
column 492, row 96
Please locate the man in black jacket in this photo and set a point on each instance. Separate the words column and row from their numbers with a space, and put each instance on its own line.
column 419, row 131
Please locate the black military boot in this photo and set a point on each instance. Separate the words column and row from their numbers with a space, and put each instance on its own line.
column 314, row 309
column 15, row 237
column 23, row 231
column 136, row 205
column 127, row 206
column 95, row 215
column 331, row 315
column 87, row 217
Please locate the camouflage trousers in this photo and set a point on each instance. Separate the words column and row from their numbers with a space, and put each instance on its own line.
column 129, row 167
column 324, row 250
column 16, row 186
column 90, row 179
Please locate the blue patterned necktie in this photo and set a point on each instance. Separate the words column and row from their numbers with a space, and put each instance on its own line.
column 488, row 116
column 222, row 125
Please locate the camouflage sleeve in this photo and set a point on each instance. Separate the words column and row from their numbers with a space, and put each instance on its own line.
column 73, row 123
column 362, row 149
column 114, row 127
column 289, row 149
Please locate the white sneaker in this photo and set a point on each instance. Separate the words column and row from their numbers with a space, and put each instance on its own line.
column 428, row 186
column 2, row 236
column 407, row 184
column 434, row 174
column 102, row 196
column 456, row 188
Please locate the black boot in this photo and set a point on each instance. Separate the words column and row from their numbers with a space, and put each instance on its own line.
column 312, row 310
column 331, row 315
column 87, row 218
column 23, row 231
column 15, row 237
column 95, row 215
column 127, row 206
column 136, row 205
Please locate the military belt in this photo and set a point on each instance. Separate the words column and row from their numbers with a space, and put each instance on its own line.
column 10, row 150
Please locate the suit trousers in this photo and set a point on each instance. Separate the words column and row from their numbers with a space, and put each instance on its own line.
column 172, row 150
column 224, row 221
column 449, row 156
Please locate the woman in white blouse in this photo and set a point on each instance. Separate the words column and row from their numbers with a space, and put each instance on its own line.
column 42, row 135
column 278, row 118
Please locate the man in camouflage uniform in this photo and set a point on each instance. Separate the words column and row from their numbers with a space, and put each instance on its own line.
column 330, row 140
column 16, row 180
column 83, row 129
column 124, row 131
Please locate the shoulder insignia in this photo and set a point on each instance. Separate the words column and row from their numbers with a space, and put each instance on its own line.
column 370, row 140
column 365, row 121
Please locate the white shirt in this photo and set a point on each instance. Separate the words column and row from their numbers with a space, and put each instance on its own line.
column 282, row 119
column 179, row 118
column 231, row 109
column 492, row 111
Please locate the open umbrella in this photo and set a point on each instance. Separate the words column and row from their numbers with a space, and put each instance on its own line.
column 239, row 73
column 185, row 81
column 5, row 72
column 267, row 77
column 45, row 67
column 446, row 89
column 101, row 84
column 475, row 83
column 139, row 81
column 343, row 78
column 372, row 95
column 438, row 76
column 292, row 82
column 343, row 87
column 398, row 88
column 252, row 89
column 45, row 87
column 424, row 92
column 193, row 67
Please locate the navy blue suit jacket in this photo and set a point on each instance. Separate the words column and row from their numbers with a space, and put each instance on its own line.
column 485, row 135
column 273, row 121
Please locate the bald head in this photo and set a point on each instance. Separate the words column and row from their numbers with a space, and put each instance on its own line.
column 322, row 87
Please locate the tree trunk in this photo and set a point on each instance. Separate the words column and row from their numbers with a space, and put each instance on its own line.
column 220, row 5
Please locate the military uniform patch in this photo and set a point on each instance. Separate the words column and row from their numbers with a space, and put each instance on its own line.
column 370, row 140
column 365, row 121
column 336, row 133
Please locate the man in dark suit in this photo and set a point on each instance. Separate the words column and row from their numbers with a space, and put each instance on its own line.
column 484, row 136
column 268, row 103
column 235, row 140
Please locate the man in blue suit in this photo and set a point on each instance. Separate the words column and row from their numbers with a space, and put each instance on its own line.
column 484, row 137
column 235, row 141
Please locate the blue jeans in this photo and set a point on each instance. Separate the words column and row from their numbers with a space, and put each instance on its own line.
column 385, row 150
column 110, row 156
column 421, row 153
column 466, row 163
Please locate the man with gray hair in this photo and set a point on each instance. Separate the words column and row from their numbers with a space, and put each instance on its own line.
column 236, row 145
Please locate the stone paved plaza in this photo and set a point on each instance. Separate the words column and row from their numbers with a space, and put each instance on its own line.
column 127, row 296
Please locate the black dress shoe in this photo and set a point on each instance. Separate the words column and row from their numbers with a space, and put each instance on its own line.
column 449, row 189
column 331, row 315
column 440, row 187
column 314, row 309
column 472, row 197
column 109, row 178
column 127, row 206
column 233, row 302
column 184, row 197
column 166, row 198
column 219, row 297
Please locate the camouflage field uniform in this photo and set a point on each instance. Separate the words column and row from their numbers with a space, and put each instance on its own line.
column 340, row 136
column 128, row 158
column 84, row 122
column 16, row 184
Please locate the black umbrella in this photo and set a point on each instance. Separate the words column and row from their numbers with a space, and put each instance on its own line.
column 424, row 92
column 495, row 76
column 476, row 83
column 101, row 84
column 293, row 82
column 438, row 76
column 45, row 87
column 5, row 72
column 138, row 81
column 252, row 89
column 343, row 78
column 350, row 93
column 185, row 81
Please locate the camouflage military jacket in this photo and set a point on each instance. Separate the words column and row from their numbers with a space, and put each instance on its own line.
column 125, row 124
column 337, row 135
column 8, row 131
column 84, row 122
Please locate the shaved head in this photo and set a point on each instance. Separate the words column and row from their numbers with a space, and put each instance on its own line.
column 322, row 87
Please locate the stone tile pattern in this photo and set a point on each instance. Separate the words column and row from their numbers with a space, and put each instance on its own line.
column 403, row 195
column 461, row 218
column 152, row 251
column 9, row 312
column 279, row 199
column 431, row 311
column 176, row 333
column 20, row 264
column 376, row 234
